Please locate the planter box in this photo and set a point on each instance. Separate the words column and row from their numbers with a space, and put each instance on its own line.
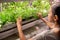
column 11, row 28
column 7, row 33
column 13, row 25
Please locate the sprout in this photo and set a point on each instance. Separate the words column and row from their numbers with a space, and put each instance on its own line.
column 45, row 11
column 0, row 26
column 42, row 1
column 0, row 21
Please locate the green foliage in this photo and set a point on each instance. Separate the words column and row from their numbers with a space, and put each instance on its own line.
column 11, row 11
column 42, row 6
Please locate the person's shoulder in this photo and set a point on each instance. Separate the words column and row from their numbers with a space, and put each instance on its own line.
column 55, row 30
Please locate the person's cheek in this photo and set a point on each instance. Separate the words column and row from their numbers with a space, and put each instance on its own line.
column 50, row 17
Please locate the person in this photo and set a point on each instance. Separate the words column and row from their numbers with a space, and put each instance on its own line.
column 53, row 33
column 54, row 30
column 50, row 14
column 19, row 27
column 48, row 35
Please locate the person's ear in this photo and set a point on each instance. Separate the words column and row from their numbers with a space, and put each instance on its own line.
column 55, row 18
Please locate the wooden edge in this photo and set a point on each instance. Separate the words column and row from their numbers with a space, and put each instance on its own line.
column 28, row 21
column 8, row 33
column 10, row 26
column 13, row 31
column 30, row 24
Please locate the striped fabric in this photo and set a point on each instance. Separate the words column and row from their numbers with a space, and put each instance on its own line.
column 45, row 35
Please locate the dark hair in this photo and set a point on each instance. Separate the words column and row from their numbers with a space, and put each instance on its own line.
column 56, row 11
